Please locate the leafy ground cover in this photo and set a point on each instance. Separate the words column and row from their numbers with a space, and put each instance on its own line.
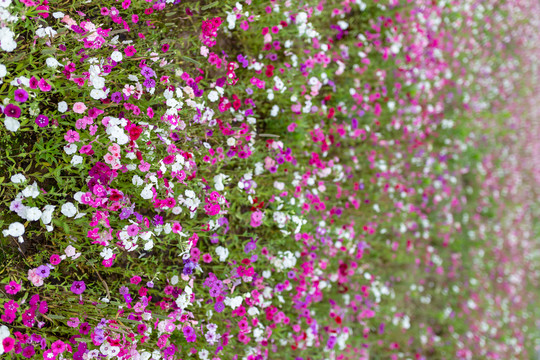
column 269, row 179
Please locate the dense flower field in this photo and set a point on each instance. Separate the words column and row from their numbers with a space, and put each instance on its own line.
column 269, row 179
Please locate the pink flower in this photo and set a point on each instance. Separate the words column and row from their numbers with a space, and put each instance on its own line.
column 176, row 228
column 34, row 278
column 79, row 107
column 71, row 136
column 256, row 219
column 73, row 322
column 133, row 230
column 135, row 280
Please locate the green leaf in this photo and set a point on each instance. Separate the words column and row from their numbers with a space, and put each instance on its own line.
column 190, row 60
column 56, row 317
column 209, row 6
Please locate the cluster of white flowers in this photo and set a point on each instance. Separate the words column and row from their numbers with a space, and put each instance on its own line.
column 281, row 219
column 30, row 213
column 222, row 252
column 7, row 43
column 233, row 302
column 115, row 130
column 284, row 260
column 218, row 180
column 183, row 301
column 108, row 350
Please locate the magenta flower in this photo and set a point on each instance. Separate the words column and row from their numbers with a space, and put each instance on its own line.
column 78, row 287
column 33, row 82
column 12, row 288
column 44, row 85
column 21, row 95
column 130, row 51
column 8, row 344
column 42, row 120
column 12, row 111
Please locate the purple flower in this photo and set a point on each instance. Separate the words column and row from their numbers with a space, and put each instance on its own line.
column 116, row 97
column 219, row 307
column 12, row 111
column 78, row 287
column 331, row 342
column 43, row 271
column 42, row 120
column 149, row 83
column 188, row 268
column 215, row 291
column 147, row 72
column 189, row 333
column 21, row 95
column 250, row 246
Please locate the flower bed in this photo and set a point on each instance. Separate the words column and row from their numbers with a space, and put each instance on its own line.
column 267, row 180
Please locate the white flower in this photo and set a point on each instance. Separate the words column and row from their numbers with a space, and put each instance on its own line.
column 106, row 253
column 233, row 302
column 98, row 82
column 52, row 62
column 48, row 31
column 231, row 141
column 97, row 94
column 76, row 160
column 279, row 185
column 222, row 252
column 31, row 191
column 218, row 180
column 46, row 217
column 147, row 192
column 18, row 178
column 137, row 180
column 33, row 214
column 12, row 124
column 116, row 56
column 62, row 106
column 70, row 149
column 203, row 354
column 213, row 96
column 3, row 70
column 16, row 229
column 5, row 3
column 182, row 301
column 149, row 245
column 190, row 193
column 174, row 280
column 68, row 209
column 274, row 111
column 58, row 15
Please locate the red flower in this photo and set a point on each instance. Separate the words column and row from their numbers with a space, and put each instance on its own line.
column 135, row 132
